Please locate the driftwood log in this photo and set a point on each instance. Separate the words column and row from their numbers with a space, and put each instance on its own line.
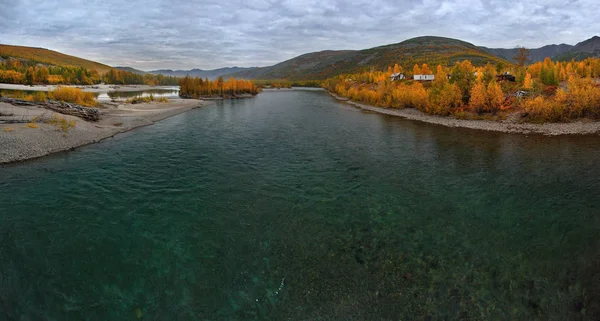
column 90, row 114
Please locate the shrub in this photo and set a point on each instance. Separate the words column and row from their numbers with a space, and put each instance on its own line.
column 39, row 96
column 73, row 95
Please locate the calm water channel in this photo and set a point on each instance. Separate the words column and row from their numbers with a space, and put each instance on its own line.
column 292, row 206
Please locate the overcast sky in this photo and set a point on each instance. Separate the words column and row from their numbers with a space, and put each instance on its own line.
column 208, row 34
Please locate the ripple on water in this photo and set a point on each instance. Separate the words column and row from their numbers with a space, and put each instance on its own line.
column 292, row 205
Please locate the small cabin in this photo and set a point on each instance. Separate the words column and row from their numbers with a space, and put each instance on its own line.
column 397, row 76
column 506, row 77
column 424, row 77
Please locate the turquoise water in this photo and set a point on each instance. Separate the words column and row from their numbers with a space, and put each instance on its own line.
column 292, row 206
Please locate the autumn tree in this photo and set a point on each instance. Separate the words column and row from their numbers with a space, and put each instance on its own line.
column 528, row 82
column 425, row 70
column 478, row 98
column 495, row 97
column 416, row 70
column 522, row 56
column 462, row 74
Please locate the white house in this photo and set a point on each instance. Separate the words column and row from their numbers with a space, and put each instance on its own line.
column 424, row 77
column 397, row 76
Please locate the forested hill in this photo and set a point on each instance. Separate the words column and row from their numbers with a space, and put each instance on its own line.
column 325, row 64
column 50, row 57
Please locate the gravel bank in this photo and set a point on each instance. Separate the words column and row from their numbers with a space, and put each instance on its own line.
column 550, row 129
column 18, row 143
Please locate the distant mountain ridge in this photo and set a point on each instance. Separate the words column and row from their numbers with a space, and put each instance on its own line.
column 585, row 49
column 210, row 74
column 325, row 64
column 132, row 70
column 536, row 54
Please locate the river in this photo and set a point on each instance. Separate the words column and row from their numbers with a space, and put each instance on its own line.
column 293, row 206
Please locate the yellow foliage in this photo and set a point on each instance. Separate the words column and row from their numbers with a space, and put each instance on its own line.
column 31, row 125
column 8, row 129
column 478, row 97
column 528, row 83
column 39, row 96
column 447, row 96
column 198, row 87
column 444, row 97
column 73, row 95
column 416, row 70
column 495, row 97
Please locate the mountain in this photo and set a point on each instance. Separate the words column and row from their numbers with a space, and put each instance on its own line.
column 132, row 70
column 585, row 49
column 325, row 64
column 210, row 74
column 50, row 57
column 537, row 54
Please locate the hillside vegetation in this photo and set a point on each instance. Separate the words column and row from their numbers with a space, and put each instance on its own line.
column 326, row 64
column 30, row 66
column 543, row 92
column 50, row 57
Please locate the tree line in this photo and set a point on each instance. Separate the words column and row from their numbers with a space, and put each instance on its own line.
column 198, row 87
column 544, row 91
column 29, row 72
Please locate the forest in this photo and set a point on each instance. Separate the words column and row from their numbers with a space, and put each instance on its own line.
column 30, row 72
column 197, row 87
column 546, row 91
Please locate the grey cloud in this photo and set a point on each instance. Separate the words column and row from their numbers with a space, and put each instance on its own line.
column 210, row 34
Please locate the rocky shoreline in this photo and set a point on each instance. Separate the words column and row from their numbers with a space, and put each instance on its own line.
column 548, row 129
column 19, row 142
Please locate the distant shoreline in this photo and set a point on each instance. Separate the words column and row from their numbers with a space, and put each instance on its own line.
column 549, row 129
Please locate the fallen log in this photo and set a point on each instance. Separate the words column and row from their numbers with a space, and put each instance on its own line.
column 90, row 114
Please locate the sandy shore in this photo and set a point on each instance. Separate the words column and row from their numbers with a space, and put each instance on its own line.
column 19, row 142
column 508, row 126
column 93, row 88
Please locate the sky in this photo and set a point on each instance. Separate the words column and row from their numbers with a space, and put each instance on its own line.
column 208, row 34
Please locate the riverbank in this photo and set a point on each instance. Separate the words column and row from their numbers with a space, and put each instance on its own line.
column 91, row 88
column 20, row 142
column 507, row 126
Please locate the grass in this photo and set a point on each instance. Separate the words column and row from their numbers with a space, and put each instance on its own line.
column 61, row 123
column 146, row 99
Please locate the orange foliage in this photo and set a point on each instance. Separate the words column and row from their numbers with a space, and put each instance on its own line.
column 544, row 101
column 198, row 87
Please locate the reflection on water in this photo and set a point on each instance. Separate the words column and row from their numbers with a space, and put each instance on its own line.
column 167, row 93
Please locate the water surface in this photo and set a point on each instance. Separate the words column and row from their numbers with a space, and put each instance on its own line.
column 294, row 206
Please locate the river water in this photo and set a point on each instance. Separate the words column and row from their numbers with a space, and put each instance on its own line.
column 293, row 206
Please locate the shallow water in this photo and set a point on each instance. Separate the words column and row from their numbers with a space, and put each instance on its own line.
column 294, row 206
column 168, row 92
